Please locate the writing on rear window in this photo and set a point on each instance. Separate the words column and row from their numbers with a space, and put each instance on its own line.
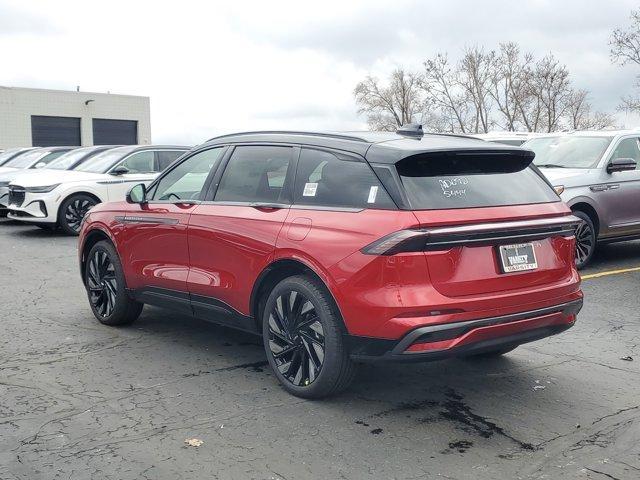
column 454, row 187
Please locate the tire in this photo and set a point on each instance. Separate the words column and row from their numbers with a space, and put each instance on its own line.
column 492, row 353
column 106, row 287
column 316, row 363
column 73, row 210
column 585, row 240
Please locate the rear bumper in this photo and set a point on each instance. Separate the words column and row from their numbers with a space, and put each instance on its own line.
column 435, row 342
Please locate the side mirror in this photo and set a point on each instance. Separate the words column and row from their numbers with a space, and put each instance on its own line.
column 40, row 165
column 621, row 165
column 119, row 170
column 137, row 194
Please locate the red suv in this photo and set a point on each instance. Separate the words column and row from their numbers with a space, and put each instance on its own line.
column 343, row 248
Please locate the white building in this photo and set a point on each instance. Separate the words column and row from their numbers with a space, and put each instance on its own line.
column 37, row 117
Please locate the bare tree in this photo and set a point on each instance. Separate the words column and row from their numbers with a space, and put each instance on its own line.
column 475, row 76
column 550, row 88
column 625, row 48
column 580, row 115
column 389, row 107
column 441, row 86
column 509, row 88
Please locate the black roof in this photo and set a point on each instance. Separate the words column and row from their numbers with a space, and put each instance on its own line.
column 378, row 147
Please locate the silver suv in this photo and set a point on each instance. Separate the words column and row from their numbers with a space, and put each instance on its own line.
column 595, row 174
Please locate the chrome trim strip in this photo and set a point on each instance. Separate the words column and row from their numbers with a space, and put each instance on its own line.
column 149, row 220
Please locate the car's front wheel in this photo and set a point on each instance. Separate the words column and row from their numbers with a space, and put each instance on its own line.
column 106, row 288
column 303, row 339
column 585, row 240
column 73, row 211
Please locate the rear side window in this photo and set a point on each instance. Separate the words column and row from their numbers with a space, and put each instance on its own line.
column 255, row 174
column 441, row 181
column 167, row 157
column 325, row 180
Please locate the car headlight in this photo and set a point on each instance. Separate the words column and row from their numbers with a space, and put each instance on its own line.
column 42, row 189
column 559, row 189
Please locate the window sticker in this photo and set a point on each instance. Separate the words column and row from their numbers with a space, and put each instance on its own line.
column 373, row 192
column 452, row 187
column 310, row 189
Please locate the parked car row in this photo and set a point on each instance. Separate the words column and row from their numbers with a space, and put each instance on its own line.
column 56, row 186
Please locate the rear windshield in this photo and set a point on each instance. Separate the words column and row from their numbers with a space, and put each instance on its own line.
column 461, row 180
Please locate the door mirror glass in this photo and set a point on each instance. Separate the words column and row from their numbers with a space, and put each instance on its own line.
column 137, row 194
column 119, row 170
column 621, row 165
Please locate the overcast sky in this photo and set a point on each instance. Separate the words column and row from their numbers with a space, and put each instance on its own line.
column 216, row 67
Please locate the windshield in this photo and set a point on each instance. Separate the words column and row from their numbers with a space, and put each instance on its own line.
column 7, row 154
column 26, row 159
column 68, row 160
column 103, row 162
column 568, row 151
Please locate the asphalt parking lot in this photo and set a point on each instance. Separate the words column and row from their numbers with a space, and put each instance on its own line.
column 79, row 400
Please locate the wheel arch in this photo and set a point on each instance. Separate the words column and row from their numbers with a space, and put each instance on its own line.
column 90, row 239
column 587, row 208
column 279, row 270
column 71, row 194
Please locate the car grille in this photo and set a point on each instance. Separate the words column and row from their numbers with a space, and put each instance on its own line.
column 16, row 195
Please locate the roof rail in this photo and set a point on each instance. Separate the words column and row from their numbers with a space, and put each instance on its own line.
column 285, row 132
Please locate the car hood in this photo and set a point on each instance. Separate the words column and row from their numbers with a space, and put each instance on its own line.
column 15, row 173
column 558, row 175
column 8, row 169
column 52, row 177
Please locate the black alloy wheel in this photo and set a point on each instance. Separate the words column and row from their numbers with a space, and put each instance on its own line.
column 106, row 287
column 73, row 211
column 102, row 283
column 296, row 338
column 585, row 240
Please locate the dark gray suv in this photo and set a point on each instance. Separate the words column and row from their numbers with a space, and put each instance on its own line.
column 595, row 174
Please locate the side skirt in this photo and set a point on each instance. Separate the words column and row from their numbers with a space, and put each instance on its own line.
column 205, row 308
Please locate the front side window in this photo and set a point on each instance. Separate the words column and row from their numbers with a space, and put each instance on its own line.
column 186, row 181
column 140, row 162
column 627, row 148
column 255, row 174
column 444, row 181
column 568, row 151
column 325, row 180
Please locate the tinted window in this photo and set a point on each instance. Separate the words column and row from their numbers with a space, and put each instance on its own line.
column 325, row 180
column 187, row 179
column 167, row 157
column 568, row 151
column 140, row 162
column 255, row 174
column 450, row 181
column 47, row 159
column 627, row 148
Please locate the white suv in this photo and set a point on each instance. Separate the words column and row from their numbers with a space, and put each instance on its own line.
column 62, row 198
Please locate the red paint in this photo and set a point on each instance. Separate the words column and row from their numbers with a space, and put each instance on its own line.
column 220, row 251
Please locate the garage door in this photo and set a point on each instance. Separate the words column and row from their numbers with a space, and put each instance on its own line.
column 54, row 131
column 114, row 132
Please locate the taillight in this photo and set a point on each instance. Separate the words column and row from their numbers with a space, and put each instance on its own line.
column 412, row 240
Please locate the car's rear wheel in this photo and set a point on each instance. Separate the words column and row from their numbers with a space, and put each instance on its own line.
column 585, row 239
column 303, row 339
column 73, row 210
column 105, row 284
